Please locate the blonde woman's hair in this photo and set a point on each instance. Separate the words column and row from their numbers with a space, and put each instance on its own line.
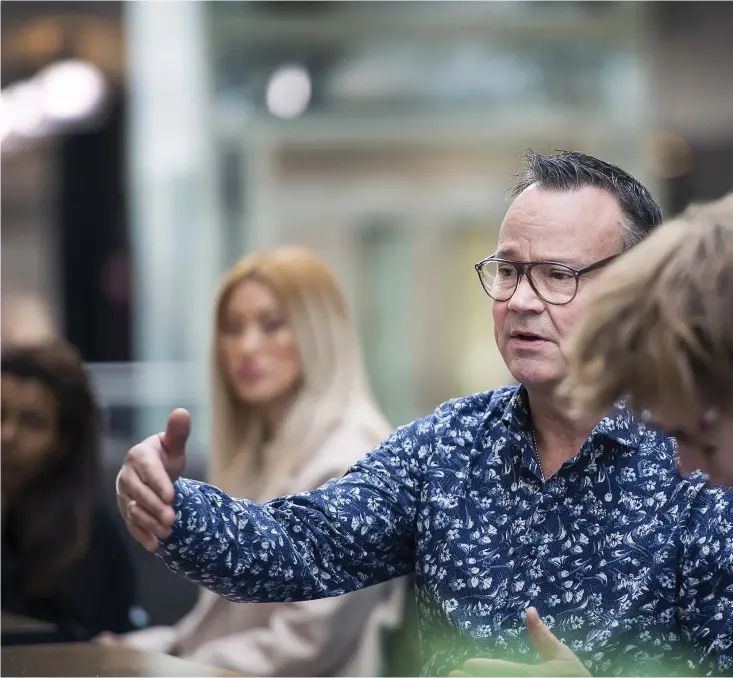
column 334, row 386
column 659, row 325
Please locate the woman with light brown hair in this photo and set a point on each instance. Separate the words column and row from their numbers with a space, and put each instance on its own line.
column 659, row 333
column 291, row 410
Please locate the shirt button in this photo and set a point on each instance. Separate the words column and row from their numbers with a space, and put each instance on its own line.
column 533, row 551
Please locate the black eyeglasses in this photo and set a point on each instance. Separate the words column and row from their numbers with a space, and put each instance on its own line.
column 551, row 281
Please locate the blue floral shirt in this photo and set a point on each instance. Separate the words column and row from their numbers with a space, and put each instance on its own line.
column 630, row 564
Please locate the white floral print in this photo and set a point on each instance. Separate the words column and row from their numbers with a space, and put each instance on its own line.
column 629, row 563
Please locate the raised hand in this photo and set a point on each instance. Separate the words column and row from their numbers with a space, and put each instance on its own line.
column 556, row 658
column 145, row 481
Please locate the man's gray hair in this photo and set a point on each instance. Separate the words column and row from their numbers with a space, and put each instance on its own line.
column 572, row 170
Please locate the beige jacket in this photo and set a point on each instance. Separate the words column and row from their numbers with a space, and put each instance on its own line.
column 331, row 637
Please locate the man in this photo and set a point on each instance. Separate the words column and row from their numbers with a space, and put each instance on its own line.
column 671, row 356
column 497, row 502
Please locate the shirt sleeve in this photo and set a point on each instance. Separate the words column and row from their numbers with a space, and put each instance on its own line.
column 706, row 590
column 344, row 536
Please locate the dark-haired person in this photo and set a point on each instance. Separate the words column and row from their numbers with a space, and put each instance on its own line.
column 63, row 557
column 499, row 502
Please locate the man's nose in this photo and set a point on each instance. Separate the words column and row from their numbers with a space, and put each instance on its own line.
column 525, row 299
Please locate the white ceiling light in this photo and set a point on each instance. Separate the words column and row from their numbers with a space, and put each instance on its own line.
column 289, row 91
column 22, row 110
column 71, row 90
column 6, row 120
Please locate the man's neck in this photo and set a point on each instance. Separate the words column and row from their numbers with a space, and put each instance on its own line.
column 558, row 437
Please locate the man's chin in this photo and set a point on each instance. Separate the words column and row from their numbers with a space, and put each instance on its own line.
column 531, row 375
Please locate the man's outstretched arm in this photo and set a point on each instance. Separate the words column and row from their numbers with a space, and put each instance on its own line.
column 348, row 534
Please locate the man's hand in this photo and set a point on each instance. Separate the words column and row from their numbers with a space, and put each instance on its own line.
column 556, row 659
column 145, row 482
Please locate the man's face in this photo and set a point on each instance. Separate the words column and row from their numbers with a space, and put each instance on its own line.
column 576, row 228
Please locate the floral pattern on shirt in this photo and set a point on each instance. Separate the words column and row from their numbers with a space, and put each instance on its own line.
column 630, row 564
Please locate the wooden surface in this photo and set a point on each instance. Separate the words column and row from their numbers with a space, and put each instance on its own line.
column 87, row 659
column 16, row 622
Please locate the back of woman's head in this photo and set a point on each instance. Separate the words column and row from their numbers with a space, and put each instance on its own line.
column 50, row 440
column 333, row 385
column 659, row 323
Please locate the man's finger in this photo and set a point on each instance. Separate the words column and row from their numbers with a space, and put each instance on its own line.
column 147, row 540
column 177, row 432
column 497, row 667
column 140, row 517
column 548, row 647
column 147, row 526
column 146, row 461
column 134, row 486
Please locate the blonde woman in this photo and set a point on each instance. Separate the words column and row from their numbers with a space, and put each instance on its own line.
column 660, row 332
column 291, row 410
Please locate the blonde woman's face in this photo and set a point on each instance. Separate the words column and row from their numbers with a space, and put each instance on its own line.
column 703, row 443
column 258, row 347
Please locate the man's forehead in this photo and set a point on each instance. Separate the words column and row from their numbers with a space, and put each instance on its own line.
column 587, row 202
column 566, row 224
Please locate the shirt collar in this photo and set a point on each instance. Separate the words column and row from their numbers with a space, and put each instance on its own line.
column 619, row 425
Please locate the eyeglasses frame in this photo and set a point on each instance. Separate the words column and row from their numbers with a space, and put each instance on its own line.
column 525, row 268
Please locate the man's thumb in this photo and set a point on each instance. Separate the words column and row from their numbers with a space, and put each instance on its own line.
column 547, row 646
column 177, row 432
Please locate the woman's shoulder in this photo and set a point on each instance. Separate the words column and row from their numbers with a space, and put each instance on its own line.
column 345, row 445
column 352, row 439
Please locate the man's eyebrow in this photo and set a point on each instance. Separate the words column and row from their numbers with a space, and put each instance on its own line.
column 510, row 255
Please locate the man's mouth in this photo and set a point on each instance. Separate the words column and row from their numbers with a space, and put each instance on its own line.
column 527, row 336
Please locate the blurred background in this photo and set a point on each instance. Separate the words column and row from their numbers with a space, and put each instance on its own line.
column 147, row 145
